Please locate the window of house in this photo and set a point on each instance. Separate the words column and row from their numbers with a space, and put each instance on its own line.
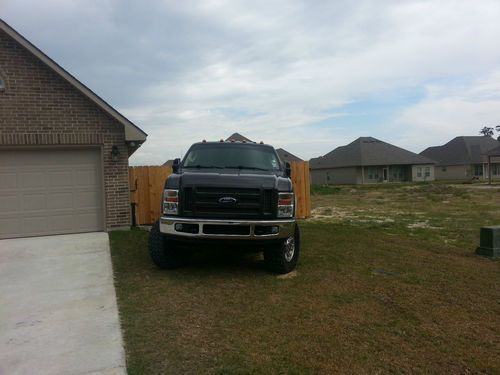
column 478, row 170
column 372, row 173
column 495, row 169
column 443, row 169
column 419, row 171
column 397, row 173
column 427, row 171
column 2, row 84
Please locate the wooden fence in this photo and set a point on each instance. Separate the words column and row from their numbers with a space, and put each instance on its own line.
column 146, row 189
column 302, row 188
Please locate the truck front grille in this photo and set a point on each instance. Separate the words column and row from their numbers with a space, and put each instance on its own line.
column 249, row 203
column 241, row 230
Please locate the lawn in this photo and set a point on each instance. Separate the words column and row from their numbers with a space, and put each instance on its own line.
column 387, row 283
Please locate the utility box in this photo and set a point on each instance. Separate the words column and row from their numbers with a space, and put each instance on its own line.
column 489, row 244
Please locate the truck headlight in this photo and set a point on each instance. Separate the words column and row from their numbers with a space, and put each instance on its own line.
column 170, row 202
column 285, row 204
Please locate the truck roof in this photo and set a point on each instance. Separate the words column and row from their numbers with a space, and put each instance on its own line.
column 232, row 143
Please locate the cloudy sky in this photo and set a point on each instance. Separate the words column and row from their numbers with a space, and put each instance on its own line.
column 304, row 75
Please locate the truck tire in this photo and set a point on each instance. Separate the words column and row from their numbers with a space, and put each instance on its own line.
column 163, row 252
column 284, row 257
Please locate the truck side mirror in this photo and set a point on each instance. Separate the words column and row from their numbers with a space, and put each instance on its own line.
column 288, row 170
column 175, row 165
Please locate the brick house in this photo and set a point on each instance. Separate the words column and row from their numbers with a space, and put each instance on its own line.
column 63, row 150
column 464, row 158
column 368, row 160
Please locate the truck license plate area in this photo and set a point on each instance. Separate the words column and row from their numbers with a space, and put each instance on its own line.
column 241, row 230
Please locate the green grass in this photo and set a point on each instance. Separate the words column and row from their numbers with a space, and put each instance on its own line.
column 373, row 293
column 394, row 186
column 325, row 189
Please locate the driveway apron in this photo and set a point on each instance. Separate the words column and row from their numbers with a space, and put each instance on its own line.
column 58, row 312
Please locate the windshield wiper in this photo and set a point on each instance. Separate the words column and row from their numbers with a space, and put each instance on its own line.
column 198, row 166
column 245, row 167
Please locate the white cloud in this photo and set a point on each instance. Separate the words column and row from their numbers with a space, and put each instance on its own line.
column 190, row 70
column 447, row 112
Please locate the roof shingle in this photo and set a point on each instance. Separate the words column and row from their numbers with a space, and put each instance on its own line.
column 461, row 150
column 237, row 137
column 286, row 156
column 367, row 151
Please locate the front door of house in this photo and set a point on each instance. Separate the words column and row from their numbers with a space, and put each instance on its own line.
column 385, row 174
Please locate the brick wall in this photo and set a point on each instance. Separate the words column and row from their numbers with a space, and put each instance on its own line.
column 38, row 107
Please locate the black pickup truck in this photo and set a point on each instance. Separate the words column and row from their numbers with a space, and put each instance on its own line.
column 228, row 193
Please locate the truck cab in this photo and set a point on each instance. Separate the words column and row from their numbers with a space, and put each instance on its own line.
column 228, row 193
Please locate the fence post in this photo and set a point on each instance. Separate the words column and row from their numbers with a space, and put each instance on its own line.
column 307, row 189
column 302, row 189
column 132, row 183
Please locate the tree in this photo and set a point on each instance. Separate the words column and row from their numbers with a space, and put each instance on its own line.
column 498, row 130
column 487, row 131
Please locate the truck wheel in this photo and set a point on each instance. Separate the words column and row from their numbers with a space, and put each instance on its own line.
column 163, row 252
column 284, row 257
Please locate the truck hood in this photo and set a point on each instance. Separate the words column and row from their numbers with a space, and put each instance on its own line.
column 234, row 179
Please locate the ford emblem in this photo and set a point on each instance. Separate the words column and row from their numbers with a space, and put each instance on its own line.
column 227, row 200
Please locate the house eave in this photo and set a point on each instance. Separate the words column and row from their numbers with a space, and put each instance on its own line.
column 369, row 165
column 132, row 132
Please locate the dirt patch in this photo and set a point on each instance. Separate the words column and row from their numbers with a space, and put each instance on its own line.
column 421, row 225
column 330, row 213
column 336, row 214
column 290, row 275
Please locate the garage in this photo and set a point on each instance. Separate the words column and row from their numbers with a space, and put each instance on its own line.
column 50, row 191
column 63, row 150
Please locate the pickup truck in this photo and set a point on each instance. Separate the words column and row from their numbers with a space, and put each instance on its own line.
column 228, row 193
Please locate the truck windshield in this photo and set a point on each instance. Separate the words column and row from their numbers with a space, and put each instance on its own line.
column 223, row 155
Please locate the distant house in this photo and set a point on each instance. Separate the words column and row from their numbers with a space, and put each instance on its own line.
column 168, row 163
column 463, row 158
column 369, row 160
column 287, row 157
column 237, row 137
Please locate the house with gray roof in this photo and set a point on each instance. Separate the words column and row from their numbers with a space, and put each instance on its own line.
column 286, row 156
column 463, row 158
column 168, row 163
column 237, row 137
column 369, row 160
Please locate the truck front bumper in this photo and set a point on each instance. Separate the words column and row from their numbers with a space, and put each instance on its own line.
column 227, row 229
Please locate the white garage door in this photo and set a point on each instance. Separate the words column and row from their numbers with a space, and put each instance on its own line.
column 50, row 191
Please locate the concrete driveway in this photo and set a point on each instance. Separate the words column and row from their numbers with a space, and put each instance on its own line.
column 58, row 312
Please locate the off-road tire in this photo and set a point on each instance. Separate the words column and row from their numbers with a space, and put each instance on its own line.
column 275, row 258
column 163, row 252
